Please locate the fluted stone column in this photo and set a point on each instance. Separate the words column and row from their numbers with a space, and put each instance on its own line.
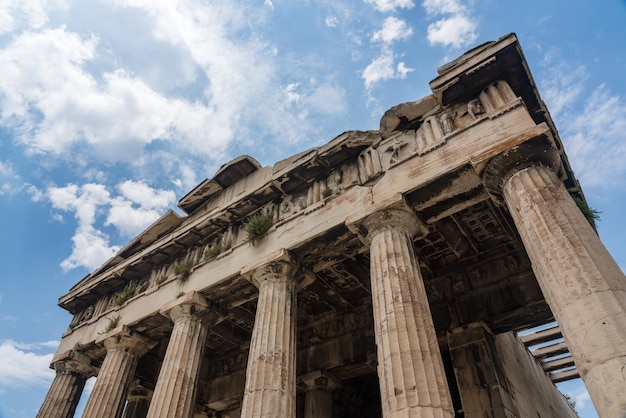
column 581, row 282
column 72, row 371
column 138, row 401
column 270, row 389
column 410, row 368
column 116, row 373
column 318, row 394
column 175, row 389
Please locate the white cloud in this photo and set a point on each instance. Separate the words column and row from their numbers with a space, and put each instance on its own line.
column 593, row 139
column 393, row 29
column 129, row 219
column 291, row 94
column 328, row 99
column 35, row 194
column 145, row 196
column 117, row 114
column 331, row 21
column 6, row 170
column 135, row 207
column 20, row 366
column 592, row 132
column 580, row 396
column 403, row 70
column 437, row 7
column 83, row 201
column 384, row 68
column 8, row 179
column 30, row 14
column 90, row 249
column 386, row 6
column 564, row 84
column 456, row 28
column 456, row 31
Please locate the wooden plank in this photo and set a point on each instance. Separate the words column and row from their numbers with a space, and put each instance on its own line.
column 564, row 376
column 550, row 350
column 542, row 336
column 558, row 364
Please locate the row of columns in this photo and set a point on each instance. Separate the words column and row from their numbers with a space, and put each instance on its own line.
column 581, row 282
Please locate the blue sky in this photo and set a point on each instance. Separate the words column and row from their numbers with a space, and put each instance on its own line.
column 112, row 110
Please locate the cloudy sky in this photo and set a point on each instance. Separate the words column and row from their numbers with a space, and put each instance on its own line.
column 112, row 110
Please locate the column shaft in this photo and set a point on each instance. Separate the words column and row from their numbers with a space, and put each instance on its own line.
column 581, row 282
column 318, row 403
column 138, row 401
column 270, row 389
column 136, row 407
column 318, row 393
column 63, row 396
column 410, row 368
column 72, row 371
column 176, row 386
column 116, row 373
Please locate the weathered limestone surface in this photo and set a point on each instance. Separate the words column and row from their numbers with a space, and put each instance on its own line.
column 410, row 368
column 532, row 392
column 116, row 373
column 583, row 285
column 175, row 390
column 270, row 389
column 356, row 202
column 71, row 374
column 482, row 385
column 425, row 187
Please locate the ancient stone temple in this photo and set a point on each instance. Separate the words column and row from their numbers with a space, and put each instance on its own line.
column 384, row 274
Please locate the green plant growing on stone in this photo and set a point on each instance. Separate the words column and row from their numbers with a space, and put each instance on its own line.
column 73, row 325
column 591, row 215
column 124, row 295
column 180, row 294
column 162, row 278
column 213, row 251
column 257, row 226
column 183, row 269
column 113, row 323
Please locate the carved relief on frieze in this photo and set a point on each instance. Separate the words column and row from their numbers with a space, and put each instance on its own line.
column 84, row 316
column 429, row 135
column 293, row 204
column 229, row 237
column 329, row 328
column 101, row 305
column 369, row 165
column 318, row 191
column 496, row 96
column 447, row 122
column 395, row 151
column 229, row 364
column 475, row 109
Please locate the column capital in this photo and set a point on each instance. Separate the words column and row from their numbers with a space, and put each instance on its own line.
column 498, row 170
column 127, row 339
column 401, row 217
column 74, row 362
column 194, row 304
column 138, row 391
column 318, row 380
column 277, row 265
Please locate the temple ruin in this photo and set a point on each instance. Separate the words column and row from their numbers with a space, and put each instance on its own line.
column 384, row 274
